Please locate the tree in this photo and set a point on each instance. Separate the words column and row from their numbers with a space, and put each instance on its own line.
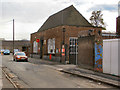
column 97, row 20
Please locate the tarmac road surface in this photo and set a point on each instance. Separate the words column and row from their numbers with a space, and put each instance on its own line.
column 43, row 76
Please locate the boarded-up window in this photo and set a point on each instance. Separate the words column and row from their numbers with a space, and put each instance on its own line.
column 51, row 46
column 35, row 47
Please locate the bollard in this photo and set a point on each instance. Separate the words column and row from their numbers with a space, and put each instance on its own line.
column 1, row 53
column 50, row 56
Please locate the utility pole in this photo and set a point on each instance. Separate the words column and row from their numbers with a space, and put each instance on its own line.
column 63, row 36
column 13, row 36
column 76, row 52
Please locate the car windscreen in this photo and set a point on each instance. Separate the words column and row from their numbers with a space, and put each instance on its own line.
column 16, row 50
column 2, row 50
column 7, row 51
column 21, row 54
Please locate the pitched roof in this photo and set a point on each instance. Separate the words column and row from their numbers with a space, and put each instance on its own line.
column 68, row 16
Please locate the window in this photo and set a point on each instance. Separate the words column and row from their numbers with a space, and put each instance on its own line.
column 51, row 46
column 73, row 45
column 35, row 47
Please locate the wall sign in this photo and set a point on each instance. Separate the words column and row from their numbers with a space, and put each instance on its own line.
column 38, row 40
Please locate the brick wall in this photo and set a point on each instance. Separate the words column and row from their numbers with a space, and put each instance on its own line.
column 7, row 44
column 57, row 33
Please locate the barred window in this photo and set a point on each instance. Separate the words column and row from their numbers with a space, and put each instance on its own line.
column 73, row 45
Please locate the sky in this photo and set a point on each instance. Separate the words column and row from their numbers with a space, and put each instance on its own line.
column 29, row 15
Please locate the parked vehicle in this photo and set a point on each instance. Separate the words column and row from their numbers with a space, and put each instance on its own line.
column 2, row 51
column 20, row 56
column 6, row 52
column 16, row 50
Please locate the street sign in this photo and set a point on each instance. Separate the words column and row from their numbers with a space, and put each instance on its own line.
column 38, row 40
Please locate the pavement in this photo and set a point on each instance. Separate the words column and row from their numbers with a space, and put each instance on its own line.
column 101, row 77
column 1, row 84
column 1, row 72
column 4, row 82
column 80, row 72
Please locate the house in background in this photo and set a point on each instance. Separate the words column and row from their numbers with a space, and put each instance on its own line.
column 58, row 36
column 22, row 45
column 111, row 35
column 118, row 27
column 108, row 35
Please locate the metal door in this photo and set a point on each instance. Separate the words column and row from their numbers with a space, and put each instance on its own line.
column 73, row 50
column 86, row 52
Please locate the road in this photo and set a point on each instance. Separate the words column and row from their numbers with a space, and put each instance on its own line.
column 45, row 76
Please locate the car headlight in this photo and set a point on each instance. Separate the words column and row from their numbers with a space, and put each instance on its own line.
column 25, row 56
column 18, row 57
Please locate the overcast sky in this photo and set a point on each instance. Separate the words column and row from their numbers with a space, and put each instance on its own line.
column 29, row 15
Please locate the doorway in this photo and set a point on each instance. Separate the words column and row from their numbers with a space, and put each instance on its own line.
column 73, row 46
column 41, row 49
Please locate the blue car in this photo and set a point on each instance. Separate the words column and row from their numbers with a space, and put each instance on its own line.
column 7, row 52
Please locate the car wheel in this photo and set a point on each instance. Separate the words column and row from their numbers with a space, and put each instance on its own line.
column 26, row 60
column 16, row 60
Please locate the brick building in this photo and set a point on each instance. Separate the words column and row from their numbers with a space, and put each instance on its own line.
column 106, row 35
column 118, row 26
column 113, row 35
column 22, row 45
column 58, row 36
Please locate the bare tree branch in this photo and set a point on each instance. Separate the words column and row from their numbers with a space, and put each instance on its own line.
column 97, row 20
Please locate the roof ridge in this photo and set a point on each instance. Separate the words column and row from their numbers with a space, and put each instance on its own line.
column 62, row 10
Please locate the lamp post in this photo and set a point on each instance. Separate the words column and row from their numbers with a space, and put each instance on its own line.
column 13, row 36
column 63, row 47
column 64, row 36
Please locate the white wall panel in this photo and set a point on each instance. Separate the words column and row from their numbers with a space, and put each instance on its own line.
column 114, row 57
column 119, row 57
column 111, row 62
column 106, row 57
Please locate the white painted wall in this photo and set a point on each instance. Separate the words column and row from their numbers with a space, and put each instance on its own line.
column 111, row 60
